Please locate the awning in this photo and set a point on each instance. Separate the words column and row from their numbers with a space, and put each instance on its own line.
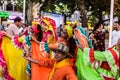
column 4, row 14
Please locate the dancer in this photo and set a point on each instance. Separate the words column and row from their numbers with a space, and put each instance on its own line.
column 83, row 71
column 13, row 54
column 43, row 33
column 60, row 65
column 110, row 70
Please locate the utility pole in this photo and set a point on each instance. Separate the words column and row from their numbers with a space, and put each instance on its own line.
column 24, row 6
column 111, row 21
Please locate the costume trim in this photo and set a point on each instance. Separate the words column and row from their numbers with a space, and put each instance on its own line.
column 44, row 49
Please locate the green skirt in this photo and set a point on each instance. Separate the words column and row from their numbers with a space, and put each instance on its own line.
column 85, row 72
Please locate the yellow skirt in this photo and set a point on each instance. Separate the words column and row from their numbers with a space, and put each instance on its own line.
column 15, row 62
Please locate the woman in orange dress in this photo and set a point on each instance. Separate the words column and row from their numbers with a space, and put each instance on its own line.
column 40, row 52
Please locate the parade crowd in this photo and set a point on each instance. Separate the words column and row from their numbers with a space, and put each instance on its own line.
column 44, row 51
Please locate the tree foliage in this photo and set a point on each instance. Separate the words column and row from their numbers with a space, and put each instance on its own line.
column 69, row 6
column 97, row 7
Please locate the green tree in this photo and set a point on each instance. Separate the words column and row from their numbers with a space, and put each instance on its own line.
column 97, row 7
column 117, row 8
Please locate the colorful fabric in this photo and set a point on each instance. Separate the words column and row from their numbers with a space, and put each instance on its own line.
column 28, row 69
column 111, row 56
column 82, row 37
column 44, row 49
column 85, row 72
column 58, row 65
column 16, row 64
column 3, row 65
column 60, row 71
column 49, row 35
column 18, row 41
column 27, row 53
column 38, row 72
column 51, row 26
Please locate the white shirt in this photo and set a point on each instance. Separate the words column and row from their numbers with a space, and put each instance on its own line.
column 115, row 36
column 12, row 29
column 20, row 30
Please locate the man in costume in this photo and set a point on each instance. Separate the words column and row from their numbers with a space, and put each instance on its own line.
column 61, row 68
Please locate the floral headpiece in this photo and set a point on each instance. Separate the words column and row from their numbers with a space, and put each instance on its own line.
column 34, row 27
column 69, row 30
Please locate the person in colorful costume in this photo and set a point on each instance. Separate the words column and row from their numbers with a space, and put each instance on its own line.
column 13, row 54
column 38, row 52
column 4, row 75
column 84, row 72
column 61, row 68
column 70, row 42
column 110, row 70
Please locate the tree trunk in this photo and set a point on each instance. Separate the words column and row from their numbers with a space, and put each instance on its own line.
column 83, row 13
column 100, row 16
column 29, row 12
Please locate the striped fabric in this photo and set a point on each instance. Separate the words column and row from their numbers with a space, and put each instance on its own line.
column 82, row 37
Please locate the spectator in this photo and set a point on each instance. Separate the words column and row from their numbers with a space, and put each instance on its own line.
column 115, row 32
column 98, row 37
column 59, row 30
column 13, row 29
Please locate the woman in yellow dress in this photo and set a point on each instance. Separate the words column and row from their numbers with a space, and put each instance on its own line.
column 16, row 64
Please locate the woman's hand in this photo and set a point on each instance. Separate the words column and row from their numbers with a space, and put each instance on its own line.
column 92, row 37
column 32, row 60
column 28, row 58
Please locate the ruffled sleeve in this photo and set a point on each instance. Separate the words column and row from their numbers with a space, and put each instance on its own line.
column 43, row 47
column 18, row 41
column 90, row 56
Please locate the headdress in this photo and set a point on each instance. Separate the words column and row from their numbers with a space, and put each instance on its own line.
column 34, row 27
column 69, row 30
column 50, row 25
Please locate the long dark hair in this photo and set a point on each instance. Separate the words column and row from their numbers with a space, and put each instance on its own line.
column 39, row 35
column 97, row 25
column 72, row 45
